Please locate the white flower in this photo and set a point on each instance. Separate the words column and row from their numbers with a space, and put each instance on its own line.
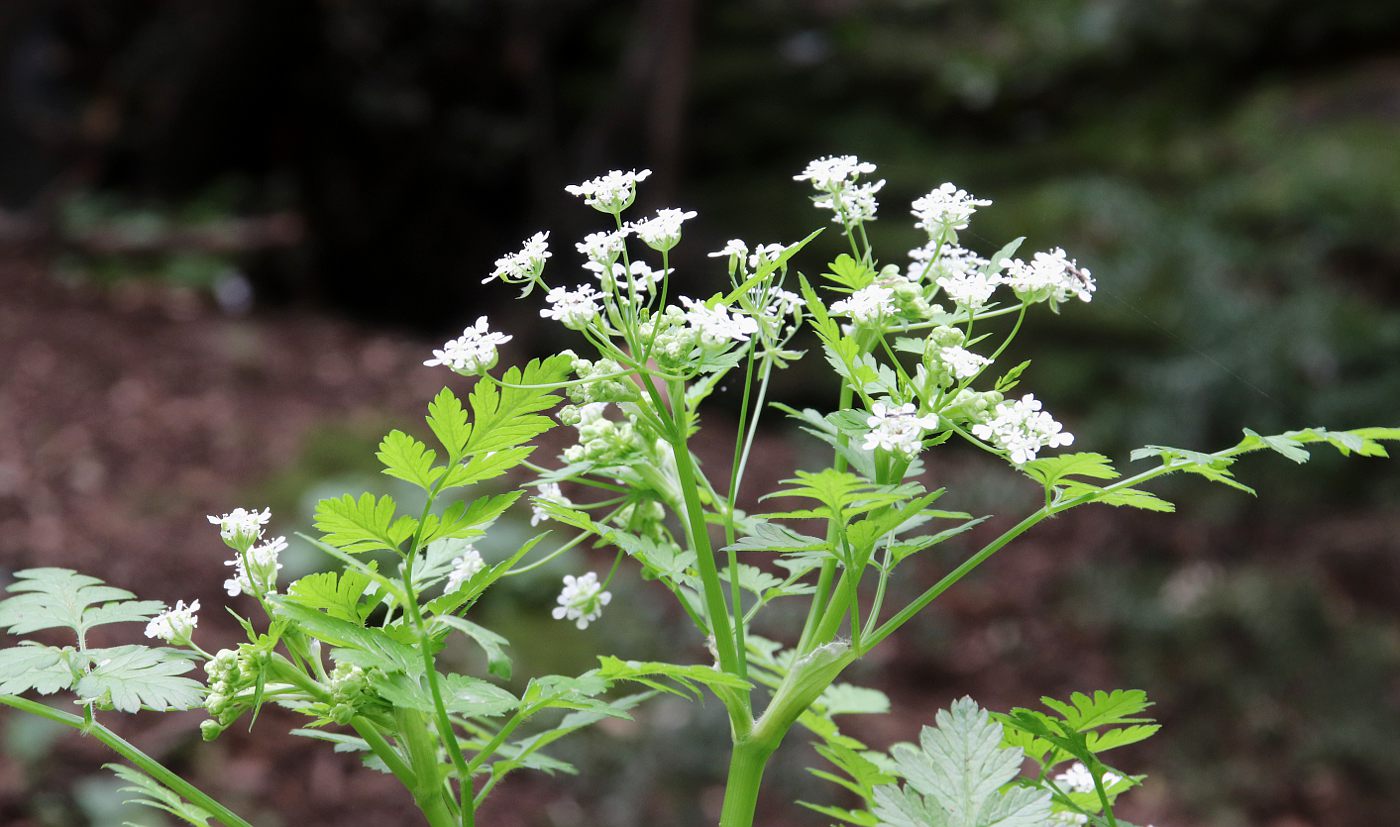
column 867, row 305
column 464, row 568
column 549, row 492
column 610, row 193
column 1021, row 429
column 734, row 247
column 964, row 363
column 581, row 600
column 1067, row 817
column 621, row 280
column 602, row 249
column 717, row 325
column 898, row 430
column 524, row 265
column 255, row 571
column 946, row 208
column 958, row 272
column 175, row 625
column 1052, row 276
column 765, row 254
column 663, row 231
column 784, row 302
column 240, row 527
column 1078, row 779
column 574, row 308
column 853, row 204
column 471, row 353
column 834, row 172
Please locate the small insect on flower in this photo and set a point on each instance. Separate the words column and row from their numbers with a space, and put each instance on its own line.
column 581, row 600
column 472, row 353
column 175, row 625
column 610, row 193
column 464, row 568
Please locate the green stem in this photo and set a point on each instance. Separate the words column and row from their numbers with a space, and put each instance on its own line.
column 423, row 757
column 130, row 752
column 384, row 750
column 746, row 766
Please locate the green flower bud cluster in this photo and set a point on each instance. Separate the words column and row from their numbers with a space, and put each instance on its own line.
column 940, row 372
column 230, row 673
column 644, row 518
column 603, row 381
column 970, row 407
column 675, row 343
column 350, row 691
column 601, row 441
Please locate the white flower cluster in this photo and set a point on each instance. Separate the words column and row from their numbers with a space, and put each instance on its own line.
column 1021, row 429
column 464, row 568
column 175, row 625
column 610, row 193
column 472, row 353
column 549, row 492
column 1052, row 276
column 717, row 325
column 898, row 430
column 957, row 271
column 962, row 362
column 576, row 308
column 524, row 265
column 581, row 600
column 621, row 281
column 945, row 208
column 867, row 305
column 1078, row 779
column 602, row 249
column 835, row 178
column 600, row 439
column 255, row 570
column 663, row 231
column 240, row 527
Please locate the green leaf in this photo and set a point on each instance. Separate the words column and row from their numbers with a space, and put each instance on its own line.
column 685, row 677
column 408, row 459
column 464, row 521
column 377, row 647
column 45, row 669
column 954, row 778
column 1011, row 378
column 1049, row 470
column 153, row 794
column 503, row 416
column 54, row 598
column 337, row 594
column 1130, row 497
column 1279, row 444
column 361, row 525
column 461, row 695
column 487, row 466
column 849, row 273
column 448, row 420
column 1084, row 712
column 127, row 678
column 498, row 663
column 846, row 699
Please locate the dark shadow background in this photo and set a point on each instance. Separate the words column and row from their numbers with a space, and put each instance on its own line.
column 230, row 230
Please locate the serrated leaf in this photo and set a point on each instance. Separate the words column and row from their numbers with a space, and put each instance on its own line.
column 54, row 598
column 955, row 776
column 1129, row 497
column 45, row 669
column 504, row 416
column 409, row 460
column 1049, row 470
column 685, row 677
column 1009, row 380
column 847, row 699
column 1084, row 712
column 461, row 695
column 487, row 466
column 362, row 525
column 127, row 678
column 1280, row 445
column 336, row 593
column 448, row 420
column 464, row 521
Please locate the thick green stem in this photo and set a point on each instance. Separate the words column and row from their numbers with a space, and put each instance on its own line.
column 423, row 757
column 130, row 752
column 746, row 765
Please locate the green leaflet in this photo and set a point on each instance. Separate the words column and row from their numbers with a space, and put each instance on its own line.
column 505, row 416
column 128, row 678
column 494, row 645
column 368, row 648
column 461, row 694
column 55, row 598
column 45, row 669
column 954, row 777
column 336, row 593
column 687, row 678
column 151, row 793
column 366, row 524
column 408, row 459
